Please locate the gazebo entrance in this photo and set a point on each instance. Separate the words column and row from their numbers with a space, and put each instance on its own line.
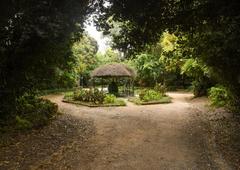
column 118, row 77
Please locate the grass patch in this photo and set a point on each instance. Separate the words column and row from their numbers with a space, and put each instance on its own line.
column 137, row 101
column 55, row 91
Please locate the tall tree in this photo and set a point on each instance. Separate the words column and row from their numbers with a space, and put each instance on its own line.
column 36, row 37
column 84, row 52
column 211, row 29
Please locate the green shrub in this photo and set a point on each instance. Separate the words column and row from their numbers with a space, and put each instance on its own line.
column 23, row 124
column 120, row 102
column 150, row 95
column 79, row 94
column 92, row 95
column 200, row 88
column 110, row 99
column 68, row 95
column 113, row 88
column 160, row 88
column 34, row 112
column 219, row 96
column 142, row 93
column 98, row 96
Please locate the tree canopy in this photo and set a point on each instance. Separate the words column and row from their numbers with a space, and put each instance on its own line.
column 37, row 38
column 210, row 29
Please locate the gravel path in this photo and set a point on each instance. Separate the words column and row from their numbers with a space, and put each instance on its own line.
column 152, row 137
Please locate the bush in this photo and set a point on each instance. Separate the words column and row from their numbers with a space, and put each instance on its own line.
column 160, row 88
column 23, row 124
column 78, row 94
column 98, row 96
column 120, row 102
column 110, row 99
column 219, row 96
column 94, row 96
column 33, row 112
column 68, row 95
column 142, row 94
column 150, row 95
column 200, row 88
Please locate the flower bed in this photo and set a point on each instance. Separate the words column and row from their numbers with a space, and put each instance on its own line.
column 163, row 100
column 92, row 98
column 147, row 97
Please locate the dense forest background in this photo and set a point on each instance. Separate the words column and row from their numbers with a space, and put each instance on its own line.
column 178, row 43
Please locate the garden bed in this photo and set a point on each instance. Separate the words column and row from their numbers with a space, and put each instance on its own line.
column 118, row 103
column 163, row 100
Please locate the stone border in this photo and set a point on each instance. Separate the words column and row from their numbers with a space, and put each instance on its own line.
column 164, row 100
column 91, row 104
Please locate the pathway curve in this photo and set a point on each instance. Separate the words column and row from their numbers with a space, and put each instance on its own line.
column 146, row 137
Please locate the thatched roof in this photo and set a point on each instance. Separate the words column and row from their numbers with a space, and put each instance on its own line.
column 113, row 70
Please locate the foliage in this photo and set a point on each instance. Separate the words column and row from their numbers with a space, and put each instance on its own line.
column 113, row 88
column 149, row 69
column 36, row 40
column 194, row 68
column 168, row 42
column 150, row 95
column 34, row 112
column 92, row 95
column 120, row 102
column 84, row 53
column 160, row 63
column 69, row 95
column 110, row 98
column 22, row 124
column 200, row 74
column 219, row 96
column 209, row 31
column 160, row 88
column 54, row 91
column 110, row 56
column 163, row 100
column 93, row 98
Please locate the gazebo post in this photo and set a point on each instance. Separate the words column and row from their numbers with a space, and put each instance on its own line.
column 132, row 87
column 102, row 84
column 128, row 86
column 93, row 83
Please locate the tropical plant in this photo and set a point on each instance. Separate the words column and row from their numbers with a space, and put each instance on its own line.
column 219, row 96
column 200, row 74
column 160, row 88
column 92, row 96
column 110, row 99
column 149, row 95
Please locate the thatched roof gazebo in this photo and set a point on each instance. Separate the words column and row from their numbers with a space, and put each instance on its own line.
column 114, row 72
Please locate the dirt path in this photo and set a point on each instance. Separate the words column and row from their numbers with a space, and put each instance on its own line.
column 146, row 137
column 153, row 137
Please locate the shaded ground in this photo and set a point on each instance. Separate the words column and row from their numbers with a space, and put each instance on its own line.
column 168, row 136
column 53, row 147
column 222, row 131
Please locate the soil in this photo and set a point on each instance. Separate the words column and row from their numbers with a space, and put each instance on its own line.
column 164, row 136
